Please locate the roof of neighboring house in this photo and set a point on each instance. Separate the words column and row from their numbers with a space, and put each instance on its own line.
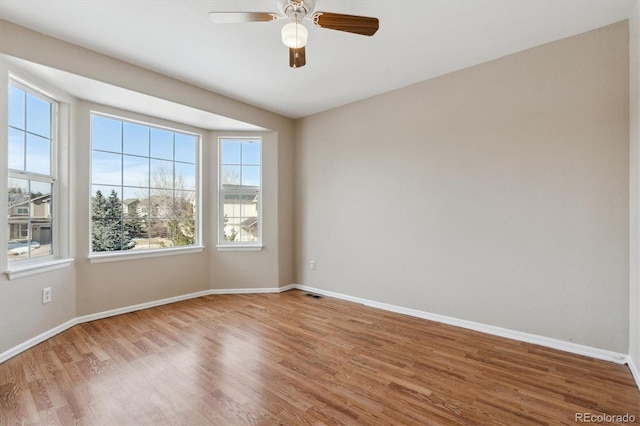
column 21, row 198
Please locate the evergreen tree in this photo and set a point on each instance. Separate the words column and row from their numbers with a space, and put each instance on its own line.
column 133, row 223
column 107, row 233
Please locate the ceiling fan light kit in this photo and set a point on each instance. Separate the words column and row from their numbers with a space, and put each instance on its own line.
column 294, row 34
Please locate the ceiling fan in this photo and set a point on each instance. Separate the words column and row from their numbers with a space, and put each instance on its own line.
column 294, row 34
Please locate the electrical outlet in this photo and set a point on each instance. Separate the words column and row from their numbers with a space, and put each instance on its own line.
column 312, row 265
column 46, row 295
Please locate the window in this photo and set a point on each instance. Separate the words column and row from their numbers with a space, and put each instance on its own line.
column 240, row 192
column 31, row 171
column 144, row 186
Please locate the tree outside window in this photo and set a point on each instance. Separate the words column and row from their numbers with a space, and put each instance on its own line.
column 144, row 186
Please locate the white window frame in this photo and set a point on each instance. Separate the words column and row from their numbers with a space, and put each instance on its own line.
column 152, row 122
column 239, row 245
column 62, row 107
column 50, row 179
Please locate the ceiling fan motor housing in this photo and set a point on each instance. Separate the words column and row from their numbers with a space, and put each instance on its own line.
column 296, row 8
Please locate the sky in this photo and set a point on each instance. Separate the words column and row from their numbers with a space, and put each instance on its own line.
column 138, row 157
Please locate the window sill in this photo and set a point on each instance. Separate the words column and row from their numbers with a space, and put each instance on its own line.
column 37, row 268
column 239, row 248
column 117, row 257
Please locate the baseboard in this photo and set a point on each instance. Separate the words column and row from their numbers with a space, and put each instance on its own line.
column 10, row 353
column 484, row 328
column 251, row 290
column 634, row 371
column 140, row 306
column 562, row 345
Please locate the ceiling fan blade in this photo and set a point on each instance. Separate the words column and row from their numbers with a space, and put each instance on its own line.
column 350, row 23
column 297, row 57
column 241, row 17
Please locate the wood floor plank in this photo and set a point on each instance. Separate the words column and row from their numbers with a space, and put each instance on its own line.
column 291, row 359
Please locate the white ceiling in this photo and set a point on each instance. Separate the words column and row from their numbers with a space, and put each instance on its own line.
column 417, row 40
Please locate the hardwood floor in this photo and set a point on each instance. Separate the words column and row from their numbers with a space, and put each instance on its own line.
column 292, row 359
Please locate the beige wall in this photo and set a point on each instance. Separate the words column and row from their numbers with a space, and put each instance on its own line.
column 22, row 314
column 496, row 194
column 86, row 288
column 634, row 186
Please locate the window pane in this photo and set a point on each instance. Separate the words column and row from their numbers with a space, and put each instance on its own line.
column 106, row 134
column 251, row 176
column 106, row 168
column 251, row 153
column 135, row 171
column 161, row 144
column 101, row 205
column 183, row 232
column 18, row 197
column 231, row 152
column 41, row 219
column 135, row 139
column 249, row 217
column 38, row 116
column 106, row 235
column 17, row 105
column 230, row 175
column 136, row 201
column 160, row 235
column 136, row 213
column 41, row 200
column 38, row 155
column 40, row 238
column 249, row 229
column 249, row 205
column 30, row 219
column 185, row 148
column 231, row 229
column 141, row 241
column 161, row 174
column 18, row 245
column 185, row 176
column 161, row 203
column 184, row 204
column 105, row 190
column 16, row 149
column 231, row 206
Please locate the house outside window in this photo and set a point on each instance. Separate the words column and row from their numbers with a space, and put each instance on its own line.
column 31, row 172
column 144, row 186
column 240, row 192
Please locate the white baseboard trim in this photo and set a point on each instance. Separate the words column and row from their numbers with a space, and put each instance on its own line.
column 10, row 353
column 634, row 371
column 251, row 290
column 140, row 306
column 484, row 328
column 562, row 345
